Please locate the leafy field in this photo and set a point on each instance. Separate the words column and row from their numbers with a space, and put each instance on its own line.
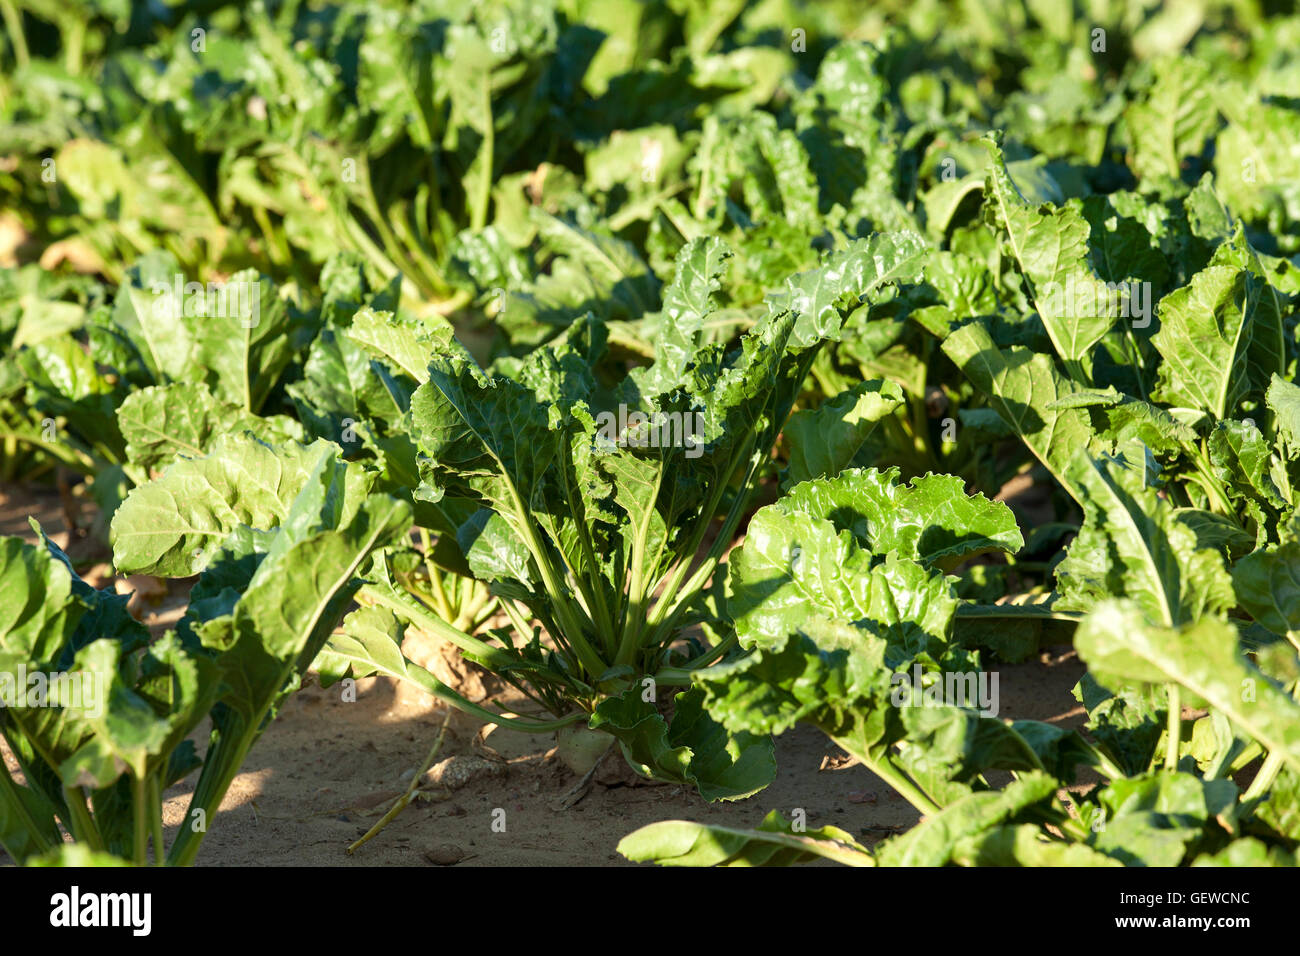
column 684, row 373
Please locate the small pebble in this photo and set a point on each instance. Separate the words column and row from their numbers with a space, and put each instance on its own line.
column 455, row 772
column 446, row 854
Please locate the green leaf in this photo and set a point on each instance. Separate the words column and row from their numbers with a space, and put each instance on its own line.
column 1133, row 544
column 247, row 338
column 949, row 746
column 1221, row 335
column 793, row 566
column 689, row 300
column 1281, row 809
column 1152, row 819
column 100, row 715
column 370, row 643
column 1267, row 584
column 403, row 343
column 1243, row 460
column 1123, row 249
column 590, row 271
column 1247, row 852
column 485, row 436
column 692, row 749
column 1022, row 387
column 171, row 526
column 1240, row 148
column 161, row 423
column 1174, row 120
column 78, row 856
column 1284, row 399
column 63, row 382
column 1127, row 724
column 494, row 551
column 1051, row 247
column 37, row 606
column 27, row 824
column 827, row 682
column 1120, row 645
column 931, row 519
column 774, row 843
column 934, row 840
column 1024, row 845
column 1131, row 418
column 845, row 121
column 346, row 396
column 143, row 326
column 824, row 440
column 845, row 279
column 1216, row 532
column 282, row 620
column 125, row 734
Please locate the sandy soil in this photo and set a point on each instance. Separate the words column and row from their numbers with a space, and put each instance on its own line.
column 327, row 769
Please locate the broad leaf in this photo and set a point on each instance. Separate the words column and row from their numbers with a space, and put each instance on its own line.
column 1119, row 645
column 774, row 843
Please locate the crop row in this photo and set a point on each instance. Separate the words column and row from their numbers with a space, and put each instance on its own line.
column 670, row 362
